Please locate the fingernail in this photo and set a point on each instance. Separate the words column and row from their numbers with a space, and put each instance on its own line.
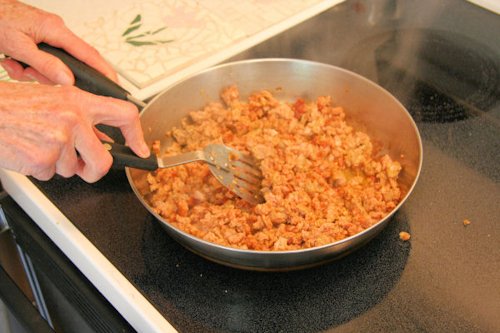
column 64, row 78
column 145, row 150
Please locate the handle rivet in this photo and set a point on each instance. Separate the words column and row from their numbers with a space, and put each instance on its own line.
column 107, row 146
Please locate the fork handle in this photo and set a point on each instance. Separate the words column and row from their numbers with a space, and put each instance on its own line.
column 171, row 161
column 124, row 156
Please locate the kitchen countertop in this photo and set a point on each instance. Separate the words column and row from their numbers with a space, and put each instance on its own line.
column 444, row 279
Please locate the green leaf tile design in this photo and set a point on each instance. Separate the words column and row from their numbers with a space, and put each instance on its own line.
column 139, row 39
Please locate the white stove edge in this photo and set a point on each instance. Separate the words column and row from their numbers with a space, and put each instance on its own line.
column 228, row 52
column 126, row 299
column 491, row 5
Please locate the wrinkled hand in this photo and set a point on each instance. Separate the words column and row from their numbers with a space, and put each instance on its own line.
column 42, row 127
column 47, row 129
column 22, row 27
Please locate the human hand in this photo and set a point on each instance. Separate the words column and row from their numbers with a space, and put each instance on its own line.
column 43, row 127
column 22, row 27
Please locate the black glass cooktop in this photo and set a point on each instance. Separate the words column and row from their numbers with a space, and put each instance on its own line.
column 441, row 59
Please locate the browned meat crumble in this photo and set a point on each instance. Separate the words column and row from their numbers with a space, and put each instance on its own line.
column 322, row 181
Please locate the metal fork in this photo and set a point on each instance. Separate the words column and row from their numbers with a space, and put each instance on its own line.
column 235, row 170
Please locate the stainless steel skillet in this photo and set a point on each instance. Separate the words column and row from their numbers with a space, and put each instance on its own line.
column 367, row 105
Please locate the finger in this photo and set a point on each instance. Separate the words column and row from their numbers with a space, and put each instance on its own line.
column 134, row 137
column 103, row 136
column 45, row 173
column 55, row 32
column 95, row 159
column 68, row 164
column 24, row 49
column 17, row 72
column 125, row 116
column 34, row 75
column 34, row 161
column 13, row 68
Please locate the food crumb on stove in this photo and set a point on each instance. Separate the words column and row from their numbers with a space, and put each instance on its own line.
column 467, row 222
column 404, row 236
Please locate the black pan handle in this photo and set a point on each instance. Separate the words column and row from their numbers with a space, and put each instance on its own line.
column 124, row 156
column 86, row 77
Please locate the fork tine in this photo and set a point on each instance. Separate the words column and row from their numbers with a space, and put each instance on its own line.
column 239, row 156
column 254, row 197
column 236, row 170
column 248, row 178
column 251, row 187
column 246, row 171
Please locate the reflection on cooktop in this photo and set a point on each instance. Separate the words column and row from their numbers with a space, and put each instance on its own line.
column 300, row 301
column 440, row 76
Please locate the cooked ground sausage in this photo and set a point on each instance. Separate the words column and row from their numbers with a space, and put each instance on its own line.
column 322, row 179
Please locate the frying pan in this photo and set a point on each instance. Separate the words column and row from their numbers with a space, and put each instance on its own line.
column 368, row 107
